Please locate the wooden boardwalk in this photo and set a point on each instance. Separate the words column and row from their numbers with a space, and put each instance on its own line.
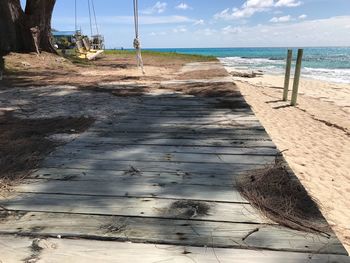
column 163, row 174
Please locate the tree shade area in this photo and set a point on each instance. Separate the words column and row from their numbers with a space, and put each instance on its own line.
column 28, row 29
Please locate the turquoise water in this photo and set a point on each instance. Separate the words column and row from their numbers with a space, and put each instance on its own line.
column 330, row 64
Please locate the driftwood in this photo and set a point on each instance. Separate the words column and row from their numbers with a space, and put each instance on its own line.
column 36, row 37
column 245, row 74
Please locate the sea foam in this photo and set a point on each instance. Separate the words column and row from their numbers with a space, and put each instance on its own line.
column 276, row 66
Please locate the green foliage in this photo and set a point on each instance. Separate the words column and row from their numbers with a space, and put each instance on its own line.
column 170, row 55
column 63, row 43
column 72, row 57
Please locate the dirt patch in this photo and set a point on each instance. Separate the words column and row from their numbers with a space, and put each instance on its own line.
column 219, row 89
column 281, row 198
column 189, row 209
column 203, row 74
column 24, row 143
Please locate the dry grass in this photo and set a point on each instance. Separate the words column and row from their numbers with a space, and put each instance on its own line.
column 49, row 69
column 203, row 74
column 24, row 70
column 24, row 143
column 282, row 198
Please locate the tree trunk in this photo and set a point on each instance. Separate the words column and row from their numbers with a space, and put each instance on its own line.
column 11, row 15
column 39, row 14
column 19, row 29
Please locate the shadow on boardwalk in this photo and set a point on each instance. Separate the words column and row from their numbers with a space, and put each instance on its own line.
column 161, row 171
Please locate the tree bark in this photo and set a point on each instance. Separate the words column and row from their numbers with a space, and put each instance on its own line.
column 19, row 29
column 39, row 14
column 11, row 15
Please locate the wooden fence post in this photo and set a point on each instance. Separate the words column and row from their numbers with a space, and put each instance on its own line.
column 297, row 77
column 287, row 76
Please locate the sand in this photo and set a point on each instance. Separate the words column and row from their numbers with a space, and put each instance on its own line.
column 315, row 138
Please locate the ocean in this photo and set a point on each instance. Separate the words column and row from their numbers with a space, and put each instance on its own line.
column 326, row 63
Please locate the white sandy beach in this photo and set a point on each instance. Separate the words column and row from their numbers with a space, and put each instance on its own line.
column 314, row 137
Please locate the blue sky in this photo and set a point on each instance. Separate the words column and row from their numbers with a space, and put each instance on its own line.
column 221, row 23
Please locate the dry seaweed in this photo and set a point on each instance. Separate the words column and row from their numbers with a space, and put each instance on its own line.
column 24, row 142
column 281, row 198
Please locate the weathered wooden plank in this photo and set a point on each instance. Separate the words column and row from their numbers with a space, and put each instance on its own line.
column 209, row 109
column 176, row 142
column 165, row 231
column 214, row 105
column 185, row 102
column 164, row 166
column 120, row 130
column 234, row 144
column 213, row 127
column 213, row 168
column 207, row 118
column 182, row 121
column 103, row 148
column 17, row 249
column 176, row 100
column 191, row 114
column 224, row 127
column 120, row 188
column 134, row 176
column 178, row 110
column 130, row 206
column 221, row 133
column 164, row 157
column 101, row 134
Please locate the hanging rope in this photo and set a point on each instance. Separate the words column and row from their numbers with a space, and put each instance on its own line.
column 76, row 19
column 94, row 13
column 90, row 17
column 137, row 43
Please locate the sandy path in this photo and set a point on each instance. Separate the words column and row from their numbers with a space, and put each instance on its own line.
column 315, row 137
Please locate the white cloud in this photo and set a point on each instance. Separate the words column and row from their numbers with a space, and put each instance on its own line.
column 300, row 33
column 288, row 3
column 250, row 7
column 231, row 30
column 153, row 20
column 183, row 6
column 206, row 32
column 199, row 22
column 302, row 17
column 127, row 20
column 158, row 8
column 180, row 30
column 162, row 33
column 281, row 19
